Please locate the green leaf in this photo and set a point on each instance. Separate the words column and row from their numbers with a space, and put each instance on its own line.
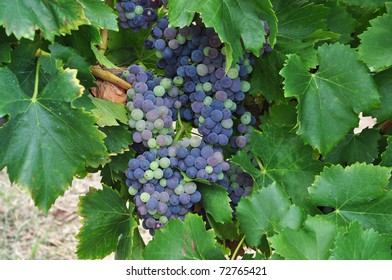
column 46, row 141
column 226, row 231
column 100, row 14
column 357, row 193
column 361, row 147
column 105, row 219
column 118, row 138
column 300, row 26
column 334, row 96
column 114, row 171
column 216, row 202
column 109, row 113
column 384, row 82
column 184, row 240
column 267, row 210
column 72, row 59
column 386, row 156
column 102, row 59
column 360, row 244
column 130, row 246
column 5, row 47
column 233, row 20
column 286, row 161
column 313, row 242
column 280, row 116
column 366, row 3
column 375, row 47
column 340, row 21
column 121, row 52
column 81, row 41
column 53, row 17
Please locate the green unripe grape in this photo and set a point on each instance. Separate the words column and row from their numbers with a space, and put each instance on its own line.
column 207, row 100
column 206, row 51
column 246, row 118
column 140, row 125
column 139, row 10
column 166, row 83
column 249, row 69
column 132, row 190
column 233, row 107
column 137, row 114
column 142, row 180
column 132, row 123
column 190, row 187
column 209, row 169
column 237, row 67
column 234, row 186
column 151, row 143
column 233, row 178
column 148, row 175
column 178, row 81
column 158, row 54
column 159, row 91
column 207, row 86
column 179, row 190
column 164, row 131
column 163, row 219
column 154, row 165
column 163, row 182
column 181, row 39
column 201, row 119
column 232, row 73
column 130, row 15
column 182, row 182
column 199, row 86
column 164, row 162
column 221, row 176
column 245, row 86
column 144, row 197
column 195, row 141
column 228, row 123
column 158, row 174
column 246, row 62
column 156, row 216
column 228, row 103
column 125, row 73
column 152, row 212
column 131, row 92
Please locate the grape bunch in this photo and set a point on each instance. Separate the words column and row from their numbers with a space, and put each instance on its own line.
column 195, row 57
column 196, row 92
column 156, row 176
column 138, row 14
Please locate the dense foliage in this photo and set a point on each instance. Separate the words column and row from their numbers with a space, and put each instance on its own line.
column 216, row 125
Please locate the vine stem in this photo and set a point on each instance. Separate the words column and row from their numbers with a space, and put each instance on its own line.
column 259, row 164
column 104, row 37
column 233, row 257
column 35, row 94
column 109, row 77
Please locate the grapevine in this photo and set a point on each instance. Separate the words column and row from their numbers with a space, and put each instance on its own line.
column 219, row 127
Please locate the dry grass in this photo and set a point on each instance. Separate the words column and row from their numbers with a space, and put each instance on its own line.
column 26, row 233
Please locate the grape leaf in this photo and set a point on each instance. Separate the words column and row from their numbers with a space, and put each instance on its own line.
column 286, row 161
column 121, row 52
column 72, row 59
column 341, row 88
column 46, row 141
column 52, row 17
column 267, row 210
column 298, row 24
column 361, row 147
column 313, row 242
column 81, row 41
column 216, row 202
column 5, row 47
column 384, row 82
column 105, row 218
column 184, row 240
column 130, row 246
column 109, row 113
column 226, row 231
column 340, row 21
column 366, row 3
column 233, row 20
column 281, row 116
column 114, row 171
column 376, row 41
column 357, row 193
column 360, row 244
column 100, row 14
column 386, row 156
column 118, row 138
